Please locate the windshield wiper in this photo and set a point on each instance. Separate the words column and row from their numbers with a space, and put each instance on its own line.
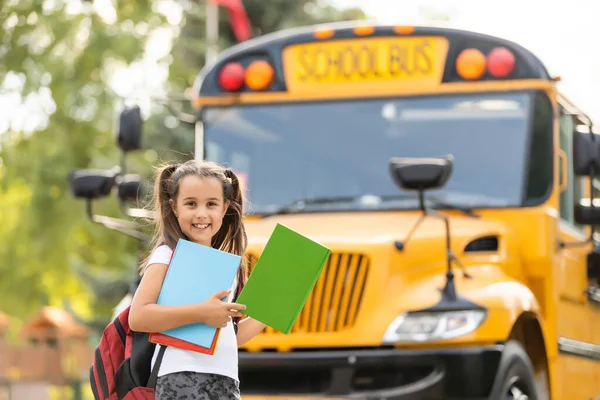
column 299, row 205
column 443, row 204
column 365, row 200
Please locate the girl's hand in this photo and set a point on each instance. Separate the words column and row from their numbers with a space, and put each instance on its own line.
column 218, row 313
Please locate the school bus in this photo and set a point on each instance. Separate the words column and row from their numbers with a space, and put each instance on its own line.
column 450, row 178
column 455, row 186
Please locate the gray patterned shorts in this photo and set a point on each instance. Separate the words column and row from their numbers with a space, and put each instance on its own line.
column 196, row 386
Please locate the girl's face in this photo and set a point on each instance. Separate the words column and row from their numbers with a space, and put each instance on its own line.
column 200, row 208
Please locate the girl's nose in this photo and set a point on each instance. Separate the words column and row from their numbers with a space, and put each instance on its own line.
column 201, row 212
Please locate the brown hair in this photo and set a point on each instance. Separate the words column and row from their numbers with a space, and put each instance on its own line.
column 231, row 237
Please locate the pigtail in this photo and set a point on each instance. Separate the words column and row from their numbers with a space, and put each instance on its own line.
column 239, row 237
column 235, row 190
column 162, row 188
column 167, row 226
column 171, row 231
column 232, row 237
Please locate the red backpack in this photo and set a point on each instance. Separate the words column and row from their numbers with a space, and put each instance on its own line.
column 121, row 368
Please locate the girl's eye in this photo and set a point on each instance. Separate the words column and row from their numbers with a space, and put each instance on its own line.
column 212, row 204
column 191, row 204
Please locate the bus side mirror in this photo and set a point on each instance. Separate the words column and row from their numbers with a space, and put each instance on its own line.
column 91, row 184
column 130, row 129
column 585, row 214
column 420, row 173
column 586, row 154
column 593, row 264
column 129, row 187
column 586, row 162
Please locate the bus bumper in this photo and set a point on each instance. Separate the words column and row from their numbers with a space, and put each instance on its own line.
column 393, row 374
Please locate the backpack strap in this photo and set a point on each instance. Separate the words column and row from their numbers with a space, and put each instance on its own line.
column 238, row 289
column 154, row 374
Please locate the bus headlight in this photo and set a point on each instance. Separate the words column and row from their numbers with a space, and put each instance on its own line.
column 424, row 326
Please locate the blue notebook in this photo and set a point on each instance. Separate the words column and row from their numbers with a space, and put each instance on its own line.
column 195, row 273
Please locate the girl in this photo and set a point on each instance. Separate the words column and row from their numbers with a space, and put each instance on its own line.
column 200, row 202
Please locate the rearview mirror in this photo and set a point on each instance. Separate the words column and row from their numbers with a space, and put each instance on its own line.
column 593, row 264
column 586, row 154
column 91, row 184
column 421, row 173
column 130, row 129
column 585, row 214
column 129, row 187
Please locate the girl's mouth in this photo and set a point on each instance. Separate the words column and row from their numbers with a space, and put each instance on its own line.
column 201, row 227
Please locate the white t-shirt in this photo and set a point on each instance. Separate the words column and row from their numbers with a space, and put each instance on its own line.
column 224, row 361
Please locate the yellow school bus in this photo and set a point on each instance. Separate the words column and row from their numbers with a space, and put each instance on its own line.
column 451, row 180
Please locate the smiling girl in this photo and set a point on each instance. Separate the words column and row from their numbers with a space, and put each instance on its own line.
column 200, row 202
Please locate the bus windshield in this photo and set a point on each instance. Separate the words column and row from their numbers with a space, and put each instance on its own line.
column 334, row 155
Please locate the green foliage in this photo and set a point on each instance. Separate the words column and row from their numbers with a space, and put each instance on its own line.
column 265, row 17
column 188, row 56
column 59, row 56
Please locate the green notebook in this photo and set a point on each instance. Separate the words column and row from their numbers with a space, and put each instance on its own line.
column 283, row 278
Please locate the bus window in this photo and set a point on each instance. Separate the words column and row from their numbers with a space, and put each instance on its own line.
column 574, row 190
column 341, row 149
column 540, row 173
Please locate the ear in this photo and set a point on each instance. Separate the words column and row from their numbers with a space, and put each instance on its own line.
column 173, row 207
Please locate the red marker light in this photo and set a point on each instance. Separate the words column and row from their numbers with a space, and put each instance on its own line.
column 501, row 62
column 231, row 77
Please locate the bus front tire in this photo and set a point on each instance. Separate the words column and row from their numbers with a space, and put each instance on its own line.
column 515, row 378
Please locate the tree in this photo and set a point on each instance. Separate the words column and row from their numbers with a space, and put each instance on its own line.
column 265, row 17
column 62, row 57
column 173, row 140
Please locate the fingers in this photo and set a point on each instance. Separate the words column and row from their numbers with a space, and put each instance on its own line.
column 224, row 324
column 221, row 294
column 219, row 324
column 235, row 306
column 234, row 314
column 233, row 310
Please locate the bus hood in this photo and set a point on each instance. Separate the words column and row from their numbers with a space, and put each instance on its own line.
column 366, row 265
column 342, row 231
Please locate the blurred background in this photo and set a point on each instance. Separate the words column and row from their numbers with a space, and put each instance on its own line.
column 69, row 67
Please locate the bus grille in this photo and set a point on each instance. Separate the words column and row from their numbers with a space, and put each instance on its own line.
column 335, row 300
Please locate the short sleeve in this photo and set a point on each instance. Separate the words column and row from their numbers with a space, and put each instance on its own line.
column 160, row 255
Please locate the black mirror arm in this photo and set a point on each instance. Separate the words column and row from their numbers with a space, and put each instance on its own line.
column 135, row 212
column 564, row 245
column 450, row 253
column 592, row 177
column 126, row 227
column 449, row 291
column 123, row 164
column 189, row 119
column 130, row 212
